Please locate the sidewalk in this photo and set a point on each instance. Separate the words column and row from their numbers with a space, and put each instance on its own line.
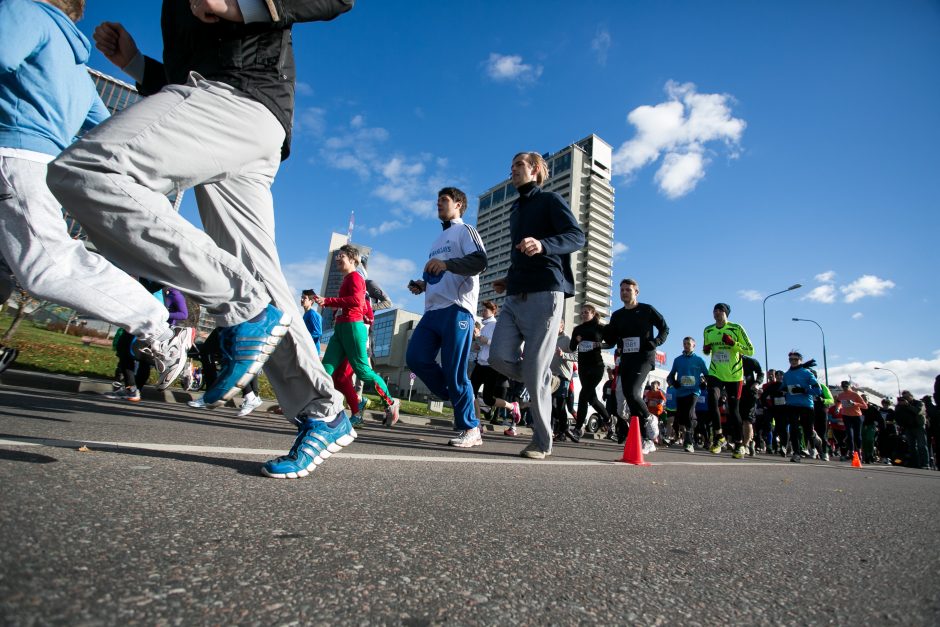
column 83, row 385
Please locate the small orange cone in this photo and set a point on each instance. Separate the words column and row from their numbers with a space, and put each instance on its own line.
column 856, row 462
column 633, row 451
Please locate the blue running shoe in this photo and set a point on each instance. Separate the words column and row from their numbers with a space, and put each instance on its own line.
column 363, row 403
column 356, row 420
column 245, row 347
column 316, row 441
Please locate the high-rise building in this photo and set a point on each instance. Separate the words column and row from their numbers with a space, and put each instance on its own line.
column 333, row 278
column 580, row 173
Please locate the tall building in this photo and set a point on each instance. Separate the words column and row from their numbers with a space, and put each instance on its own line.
column 580, row 173
column 333, row 278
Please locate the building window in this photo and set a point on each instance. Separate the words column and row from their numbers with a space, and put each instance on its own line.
column 382, row 335
column 485, row 202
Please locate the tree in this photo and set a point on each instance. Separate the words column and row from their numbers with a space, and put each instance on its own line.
column 25, row 303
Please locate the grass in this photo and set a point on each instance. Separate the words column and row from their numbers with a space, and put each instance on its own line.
column 56, row 353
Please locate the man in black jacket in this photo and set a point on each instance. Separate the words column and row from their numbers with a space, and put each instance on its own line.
column 544, row 233
column 216, row 118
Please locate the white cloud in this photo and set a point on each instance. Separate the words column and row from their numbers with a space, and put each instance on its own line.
column 620, row 249
column 510, row 68
column 305, row 274
column 915, row 374
column 408, row 183
column 866, row 285
column 680, row 173
column 826, row 277
column 304, row 89
column 857, row 315
column 822, row 294
column 310, row 120
column 601, row 45
column 680, row 129
column 392, row 274
column 750, row 294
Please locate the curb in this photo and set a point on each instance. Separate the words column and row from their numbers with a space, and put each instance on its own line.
column 84, row 385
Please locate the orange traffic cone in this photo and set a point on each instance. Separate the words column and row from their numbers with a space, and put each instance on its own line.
column 856, row 462
column 633, row 451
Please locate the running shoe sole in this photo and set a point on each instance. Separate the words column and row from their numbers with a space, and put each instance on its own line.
column 330, row 449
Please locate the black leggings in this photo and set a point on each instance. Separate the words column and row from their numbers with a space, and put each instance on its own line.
column 135, row 373
column 590, row 377
column 733, row 391
column 632, row 380
column 495, row 385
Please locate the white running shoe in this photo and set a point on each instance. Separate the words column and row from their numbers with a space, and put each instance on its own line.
column 170, row 357
column 249, row 405
column 648, row 447
column 197, row 403
column 467, row 439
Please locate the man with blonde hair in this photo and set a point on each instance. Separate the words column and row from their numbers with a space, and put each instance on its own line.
column 544, row 233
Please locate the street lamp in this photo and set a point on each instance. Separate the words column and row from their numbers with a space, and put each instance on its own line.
column 895, row 376
column 764, row 307
column 825, row 363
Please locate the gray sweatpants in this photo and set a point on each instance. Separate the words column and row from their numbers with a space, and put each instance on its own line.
column 529, row 323
column 52, row 266
column 207, row 135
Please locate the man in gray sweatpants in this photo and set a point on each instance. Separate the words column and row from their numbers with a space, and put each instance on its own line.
column 217, row 118
column 539, row 280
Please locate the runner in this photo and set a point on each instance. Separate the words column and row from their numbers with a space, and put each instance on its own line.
column 801, row 386
column 726, row 342
column 687, row 377
column 631, row 328
column 587, row 340
column 349, row 331
column 451, row 287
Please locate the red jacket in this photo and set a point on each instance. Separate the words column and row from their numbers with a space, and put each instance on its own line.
column 351, row 301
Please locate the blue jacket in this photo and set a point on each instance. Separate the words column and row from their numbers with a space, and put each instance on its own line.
column 314, row 324
column 46, row 93
column 803, row 378
column 687, row 370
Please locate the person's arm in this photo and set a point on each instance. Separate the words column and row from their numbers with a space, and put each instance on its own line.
column 352, row 292
column 660, row 323
column 286, row 12
column 97, row 114
column 176, row 305
column 472, row 263
column 743, row 342
column 569, row 237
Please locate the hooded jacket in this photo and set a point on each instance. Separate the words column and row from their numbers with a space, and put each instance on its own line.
column 46, row 93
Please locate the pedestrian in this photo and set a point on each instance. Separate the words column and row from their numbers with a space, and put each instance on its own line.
column 312, row 318
column 911, row 416
column 687, row 377
column 631, row 330
column 47, row 98
column 727, row 343
column 587, row 340
column 495, row 386
column 216, row 118
column 544, row 233
column 451, row 287
column 561, row 368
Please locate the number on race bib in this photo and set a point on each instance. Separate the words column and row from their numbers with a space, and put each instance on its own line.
column 721, row 357
column 687, row 381
column 631, row 345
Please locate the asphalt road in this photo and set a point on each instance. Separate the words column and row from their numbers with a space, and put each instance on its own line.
column 171, row 523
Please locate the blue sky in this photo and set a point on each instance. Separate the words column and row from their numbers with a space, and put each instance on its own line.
column 758, row 145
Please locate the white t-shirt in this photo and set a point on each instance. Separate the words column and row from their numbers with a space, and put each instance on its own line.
column 458, row 240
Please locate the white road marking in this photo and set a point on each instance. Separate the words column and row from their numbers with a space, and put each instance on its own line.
column 476, row 459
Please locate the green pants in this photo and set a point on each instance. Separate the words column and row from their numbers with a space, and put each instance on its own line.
column 349, row 342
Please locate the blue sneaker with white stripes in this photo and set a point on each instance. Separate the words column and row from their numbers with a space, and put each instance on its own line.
column 245, row 348
column 316, row 441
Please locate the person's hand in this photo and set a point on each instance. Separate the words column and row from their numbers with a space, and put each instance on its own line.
column 115, row 43
column 727, row 340
column 416, row 287
column 650, row 345
column 435, row 266
column 529, row 246
column 317, row 299
column 797, row 389
column 499, row 286
column 558, row 351
column 212, row 11
column 707, row 348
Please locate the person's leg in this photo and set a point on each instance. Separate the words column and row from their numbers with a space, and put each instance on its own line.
column 457, row 337
column 52, row 266
column 506, row 344
column 423, row 347
column 343, row 382
column 352, row 336
column 714, row 403
column 589, row 380
column 536, row 320
column 733, row 423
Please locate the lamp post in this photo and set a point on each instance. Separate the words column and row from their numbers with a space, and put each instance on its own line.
column 895, row 377
column 825, row 363
column 764, row 307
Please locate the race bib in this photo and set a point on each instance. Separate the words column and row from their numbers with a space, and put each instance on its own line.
column 847, row 403
column 631, row 345
column 779, row 400
column 721, row 357
column 687, row 381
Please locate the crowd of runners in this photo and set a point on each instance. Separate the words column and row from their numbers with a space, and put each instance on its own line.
column 216, row 118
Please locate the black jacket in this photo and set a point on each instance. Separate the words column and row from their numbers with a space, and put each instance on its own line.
column 546, row 217
column 256, row 58
column 638, row 322
column 590, row 331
